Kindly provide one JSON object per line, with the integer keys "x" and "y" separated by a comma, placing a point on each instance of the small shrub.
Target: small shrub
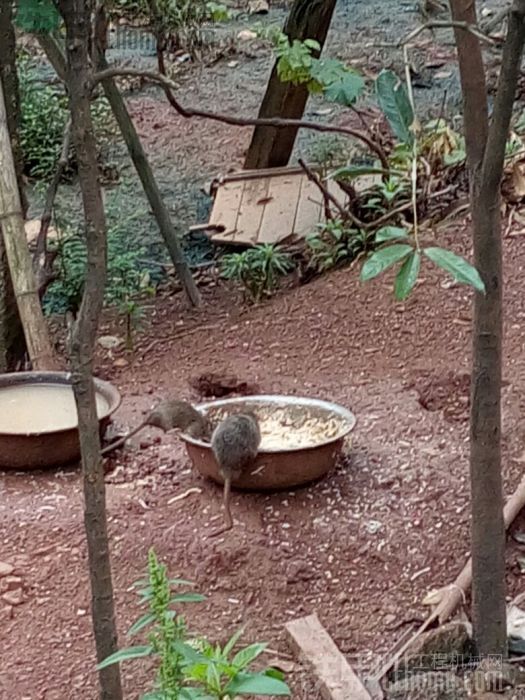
{"x": 335, "y": 244}
{"x": 191, "y": 668}
{"x": 126, "y": 276}
{"x": 258, "y": 269}
{"x": 44, "y": 114}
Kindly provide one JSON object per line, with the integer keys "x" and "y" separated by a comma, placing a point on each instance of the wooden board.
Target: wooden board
{"x": 268, "y": 206}
{"x": 279, "y": 213}
{"x": 336, "y": 679}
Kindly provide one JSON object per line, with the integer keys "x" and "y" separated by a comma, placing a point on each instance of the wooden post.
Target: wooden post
{"x": 36, "y": 334}
{"x": 271, "y": 147}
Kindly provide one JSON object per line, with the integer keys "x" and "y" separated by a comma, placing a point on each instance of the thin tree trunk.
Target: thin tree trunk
{"x": 12, "y": 343}
{"x": 486, "y": 151}
{"x": 270, "y": 147}
{"x": 76, "y": 14}
{"x": 140, "y": 161}
{"x": 36, "y": 333}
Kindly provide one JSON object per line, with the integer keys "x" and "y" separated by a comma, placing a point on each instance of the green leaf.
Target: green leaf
{"x": 393, "y": 100}
{"x": 407, "y": 276}
{"x": 139, "y": 625}
{"x": 461, "y": 270}
{"x": 346, "y": 90}
{"x": 37, "y": 16}
{"x": 187, "y": 598}
{"x": 312, "y": 44}
{"x": 244, "y": 657}
{"x": 228, "y": 648}
{"x": 125, "y": 655}
{"x": 256, "y": 684}
{"x": 390, "y": 233}
{"x": 382, "y": 259}
{"x": 189, "y": 654}
{"x": 351, "y": 172}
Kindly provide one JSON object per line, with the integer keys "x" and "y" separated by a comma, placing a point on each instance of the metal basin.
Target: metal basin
{"x": 280, "y": 467}
{"x": 36, "y": 450}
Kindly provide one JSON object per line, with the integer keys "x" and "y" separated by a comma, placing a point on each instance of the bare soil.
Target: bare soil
{"x": 361, "y": 547}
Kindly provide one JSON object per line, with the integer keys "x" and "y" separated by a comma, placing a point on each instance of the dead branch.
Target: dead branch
{"x": 42, "y": 259}
{"x": 188, "y": 113}
{"x": 495, "y": 21}
{"x": 328, "y": 197}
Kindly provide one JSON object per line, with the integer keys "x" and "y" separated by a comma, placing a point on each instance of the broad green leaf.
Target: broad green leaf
{"x": 346, "y": 90}
{"x": 407, "y": 276}
{"x": 382, "y": 259}
{"x": 125, "y": 655}
{"x": 187, "y": 598}
{"x": 312, "y": 44}
{"x": 144, "y": 621}
{"x": 155, "y": 695}
{"x": 390, "y": 233}
{"x": 189, "y": 654}
{"x": 327, "y": 70}
{"x": 244, "y": 657}
{"x": 351, "y": 172}
{"x": 256, "y": 684}
{"x": 393, "y": 100}
{"x": 461, "y": 270}
{"x": 37, "y": 16}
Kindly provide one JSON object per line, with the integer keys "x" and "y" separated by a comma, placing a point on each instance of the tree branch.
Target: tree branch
{"x": 276, "y": 122}
{"x": 45, "y": 222}
{"x": 494, "y": 158}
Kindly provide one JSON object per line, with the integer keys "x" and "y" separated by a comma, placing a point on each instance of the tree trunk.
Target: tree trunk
{"x": 9, "y": 79}
{"x": 139, "y": 158}
{"x": 76, "y": 14}
{"x": 486, "y": 151}
{"x": 12, "y": 343}
{"x": 149, "y": 184}
{"x": 36, "y": 333}
{"x": 271, "y": 147}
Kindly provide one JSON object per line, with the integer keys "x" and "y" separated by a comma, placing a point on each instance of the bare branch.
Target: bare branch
{"x": 165, "y": 82}
{"x": 45, "y": 222}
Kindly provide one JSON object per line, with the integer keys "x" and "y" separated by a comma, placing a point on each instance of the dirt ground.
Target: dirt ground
{"x": 361, "y": 547}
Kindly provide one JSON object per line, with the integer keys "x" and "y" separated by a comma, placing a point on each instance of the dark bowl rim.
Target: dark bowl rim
{"x": 106, "y": 389}
{"x": 276, "y": 399}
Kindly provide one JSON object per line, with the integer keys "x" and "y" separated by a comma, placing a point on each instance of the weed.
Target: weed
{"x": 335, "y": 244}
{"x": 191, "y": 668}
{"x": 258, "y": 269}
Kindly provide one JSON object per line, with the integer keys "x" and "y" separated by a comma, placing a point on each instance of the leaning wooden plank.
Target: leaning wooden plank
{"x": 279, "y": 213}
{"x": 337, "y": 680}
{"x": 226, "y": 208}
{"x": 254, "y": 199}
{"x": 309, "y": 210}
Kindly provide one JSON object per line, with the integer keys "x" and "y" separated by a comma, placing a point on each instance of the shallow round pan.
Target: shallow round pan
{"x": 52, "y": 448}
{"x": 276, "y": 468}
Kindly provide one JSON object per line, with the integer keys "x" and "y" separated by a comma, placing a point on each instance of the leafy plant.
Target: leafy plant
{"x": 258, "y": 269}
{"x": 44, "y": 115}
{"x": 191, "y": 669}
{"x": 298, "y": 64}
{"x": 126, "y": 277}
{"x": 388, "y": 255}
{"x": 336, "y": 243}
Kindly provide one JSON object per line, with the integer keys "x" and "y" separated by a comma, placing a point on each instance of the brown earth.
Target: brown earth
{"x": 360, "y": 548}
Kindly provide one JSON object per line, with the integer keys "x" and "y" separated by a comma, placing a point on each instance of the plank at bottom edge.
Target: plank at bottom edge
{"x": 337, "y": 680}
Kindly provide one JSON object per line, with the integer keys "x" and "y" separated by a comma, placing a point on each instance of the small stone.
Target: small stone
{"x": 109, "y": 342}
{"x": 81, "y": 612}
{"x": 258, "y": 7}
{"x": 6, "y": 569}
{"x": 246, "y": 35}
{"x": 120, "y": 362}
{"x": 450, "y": 641}
{"x": 10, "y": 583}
{"x": 6, "y": 613}
{"x": 15, "y": 597}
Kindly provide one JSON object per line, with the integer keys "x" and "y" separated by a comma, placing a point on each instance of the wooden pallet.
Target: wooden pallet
{"x": 267, "y": 206}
